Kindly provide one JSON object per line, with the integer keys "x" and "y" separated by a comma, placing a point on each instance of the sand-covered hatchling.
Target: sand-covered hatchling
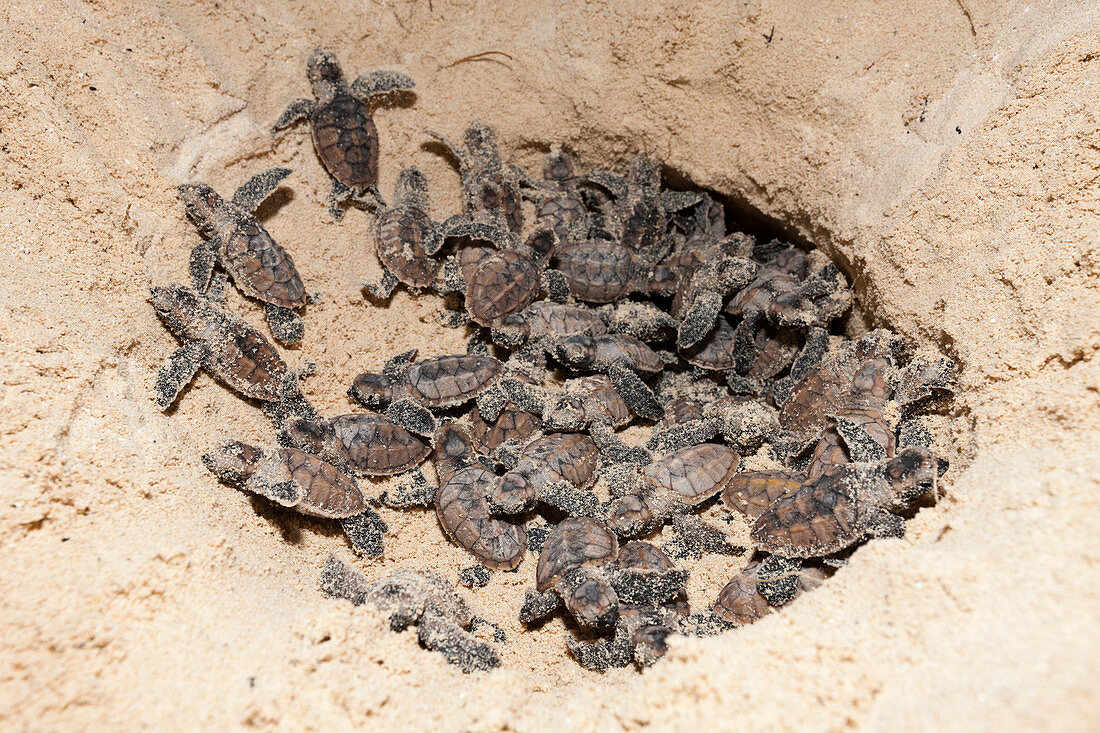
{"x": 227, "y": 347}
{"x": 303, "y": 482}
{"x": 578, "y": 568}
{"x": 463, "y": 511}
{"x": 367, "y": 444}
{"x": 236, "y": 240}
{"x": 553, "y": 469}
{"x": 407, "y": 239}
{"x": 443, "y": 619}
{"x": 409, "y": 390}
{"x": 343, "y": 130}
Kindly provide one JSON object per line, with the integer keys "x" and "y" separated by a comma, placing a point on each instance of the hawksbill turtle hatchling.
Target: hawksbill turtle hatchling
{"x": 258, "y": 265}
{"x": 343, "y": 130}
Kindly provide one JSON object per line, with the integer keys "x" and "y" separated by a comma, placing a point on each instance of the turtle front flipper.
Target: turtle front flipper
{"x": 177, "y": 372}
{"x": 201, "y": 266}
{"x": 384, "y": 287}
{"x": 286, "y": 325}
{"x": 256, "y": 189}
{"x": 284, "y": 493}
{"x": 364, "y": 531}
{"x": 411, "y": 416}
{"x": 538, "y": 605}
{"x": 413, "y": 490}
{"x": 296, "y": 111}
{"x": 458, "y": 646}
{"x": 381, "y": 82}
{"x": 636, "y": 393}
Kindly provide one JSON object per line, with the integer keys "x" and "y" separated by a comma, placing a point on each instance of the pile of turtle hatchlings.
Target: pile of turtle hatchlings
{"x": 616, "y": 303}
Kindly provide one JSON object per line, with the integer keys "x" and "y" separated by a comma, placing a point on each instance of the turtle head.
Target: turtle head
{"x": 372, "y": 390}
{"x": 559, "y": 165}
{"x": 628, "y": 516}
{"x": 577, "y": 352}
{"x": 412, "y": 186}
{"x": 233, "y": 462}
{"x": 481, "y": 141}
{"x": 310, "y": 436}
{"x": 590, "y": 599}
{"x": 325, "y": 74}
{"x": 911, "y": 473}
{"x": 204, "y": 206}
{"x": 176, "y": 306}
{"x": 644, "y": 174}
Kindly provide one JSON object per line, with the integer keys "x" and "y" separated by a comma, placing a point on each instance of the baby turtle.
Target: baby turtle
{"x": 304, "y": 482}
{"x": 343, "y": 131}
{"x": 842, "y": 508}
{"x": 597, "y": 271}
{"x": 578, "y": 567}
{"x": 236, "y": 240}
{"x": 752, "y": 492}
{"x": 677, "y": 482}
{"x": 443, "y": 619}
{"x": 549, "y": 470}
{"x": 544, "y": 319}
{"x": 504, "y": 283}
{"x": 409, "y": 390}
{"x": 463, "y": 512}
{"x": 407, "y": 238}
{"x": 641, "y": 631}
{"x": 561, "y": 206}
{"x": 223, "y": 343}
{"x": 489, "y": 186}
{"x": 367, "y": 443}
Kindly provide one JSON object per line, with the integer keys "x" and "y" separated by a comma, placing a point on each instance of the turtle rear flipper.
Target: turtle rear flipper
{"x": 413, "y": 490}
{"x": 177, "y": 372}
{"x": 296, "y": 111}
{"x": 256, "y": 189}
{"x": 201, "y": 265}
{"x": 365, "y": 531}
{"x": 538, "y": 605}
{"x": 286, "y": 325}
{"x": 458, "y": 646}
{"x": 380, "y": 82}
{"x": 572, "y": 501}
{"x": 699, "y": 320}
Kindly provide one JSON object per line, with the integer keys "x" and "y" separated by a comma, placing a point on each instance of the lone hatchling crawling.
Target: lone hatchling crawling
{"x": 343, "y": 130}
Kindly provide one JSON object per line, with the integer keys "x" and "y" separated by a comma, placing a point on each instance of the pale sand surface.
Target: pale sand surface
{"x": 946, "y": 152}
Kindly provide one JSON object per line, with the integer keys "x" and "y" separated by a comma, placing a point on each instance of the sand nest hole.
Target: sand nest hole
{"x": 662, "y": 423}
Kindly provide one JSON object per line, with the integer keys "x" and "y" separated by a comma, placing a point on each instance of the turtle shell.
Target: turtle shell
{"x": 776, "y": 349}
{"x": 347, "y": 141}
{"x": 574, "y": 543}
{"x": 260, "y": 267}
{"x": 740, "y": 602}
{"x": 375, "y": 446}
{"x": 243, "y": 359}
{"x": 695, "y": 473}
{"x": 464, "y": 515}
{"x": 715, "y": 351}
{"x": 569, "y": 455}
{"x": 511, "y": 424}
{"x": 614, "y": 347}
{"x": 597, "y": 271}
{"x": 545, "y": 318}
{"x": 563, "y": 212}
{"x": 402, "y": 232}
{"x": 504, "y": 283}
{"x": 450, "y": 380}
{"x": 326, "y": 491}
{"x": 752, "y": 492}
{"x": 606, "y": 396}
{"x": 820, "y": 518}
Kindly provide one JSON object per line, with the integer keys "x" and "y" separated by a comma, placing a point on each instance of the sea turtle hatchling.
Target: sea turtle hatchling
{"x": 839, "y": 509}
{"x": 443, "y": 619}
{"x": 407, "y": 238}
{"x": 577, "y": 567}
{"x": 490, "y": 187}
{"x": 463, "y": 512}
{"x": 343, "y": 131}
{"x": 641, "y": 631}
{"x": 230, "y": 350}
{"x": 552, "y": 469}
{"x": 675, "y": 483}
{"x": 236, "y": 240}
{"x": 303, "y": 482}
{"x": 409, "y": 390}
{"x": 368, "y": 444}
